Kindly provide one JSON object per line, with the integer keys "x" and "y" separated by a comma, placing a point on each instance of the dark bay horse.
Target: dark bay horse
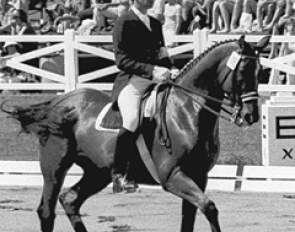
{"x": 67, "y": 135}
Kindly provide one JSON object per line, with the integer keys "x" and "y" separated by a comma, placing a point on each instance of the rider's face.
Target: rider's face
{"x": 144, "y": 4}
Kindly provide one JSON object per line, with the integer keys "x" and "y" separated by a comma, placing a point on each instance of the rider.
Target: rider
{"x": 142, "y": 59}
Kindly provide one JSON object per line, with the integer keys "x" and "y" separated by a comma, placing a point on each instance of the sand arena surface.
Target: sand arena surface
{"x": 151, "y": 210}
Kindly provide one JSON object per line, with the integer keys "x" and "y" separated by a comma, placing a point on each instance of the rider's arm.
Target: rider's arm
{"x": 122, "y": 47}
{"x": 132, "y": 56}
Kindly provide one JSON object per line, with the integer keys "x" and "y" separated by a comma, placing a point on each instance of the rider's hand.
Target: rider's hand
{"x": 174, "y": 73}
{"x": 161, "y": 73}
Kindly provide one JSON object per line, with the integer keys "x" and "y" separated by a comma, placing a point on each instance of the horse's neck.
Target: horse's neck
{"x": 200, "y": 76}
{"x": 207, "y": 74}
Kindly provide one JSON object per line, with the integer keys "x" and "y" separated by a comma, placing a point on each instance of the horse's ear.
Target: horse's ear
{"x": 261, "y": 44}
{"x": 241, "y": 41}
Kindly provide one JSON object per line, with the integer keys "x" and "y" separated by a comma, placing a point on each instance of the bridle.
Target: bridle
{"x": 235, "y": 109}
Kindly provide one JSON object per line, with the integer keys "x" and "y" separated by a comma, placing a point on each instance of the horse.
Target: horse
{"x": 182, "y": 135}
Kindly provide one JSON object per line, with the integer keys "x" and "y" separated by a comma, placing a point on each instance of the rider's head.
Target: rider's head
{"x": 143, "y": 5}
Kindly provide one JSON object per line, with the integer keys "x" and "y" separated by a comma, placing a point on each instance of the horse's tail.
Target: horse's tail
{"x": 43, "y": 118}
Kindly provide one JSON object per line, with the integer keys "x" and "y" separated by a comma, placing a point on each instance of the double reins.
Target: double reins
{"x": 235, "y": 112}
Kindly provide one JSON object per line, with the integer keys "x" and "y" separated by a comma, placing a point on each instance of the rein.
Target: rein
{"x": 236, "y": 109}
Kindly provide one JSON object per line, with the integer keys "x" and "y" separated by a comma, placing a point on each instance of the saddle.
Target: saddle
{"x": 113, "y": 118}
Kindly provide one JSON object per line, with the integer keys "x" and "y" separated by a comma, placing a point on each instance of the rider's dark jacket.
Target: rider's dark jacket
{"x": 136, "y": 49}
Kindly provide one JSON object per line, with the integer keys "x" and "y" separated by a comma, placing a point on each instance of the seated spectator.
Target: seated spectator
{"x": 102, "y": 11}
{"x": 289, "y": 47}
{"x": 286, "y": 48}
{"x": 68, "y": 19}
{"x": 271, "y": 10}
{"x": 280, "y": 27}
{"x": 64, "y": 22}
{"x": 247, "y": 16}
{"x": 55, "y": 10}
{"x": 85, "y": 4}
{"x": 187, "y": 14}
{"x": 222, "y": 9}
{"x": 157, "y": 11}
{"x": 236, "y": 15}
{"x": 172, "y": 20}
{"x": 289, "y": 11}
{"x": 207, "y": 7}
{"x": 87, "y": 27}
{"x": 19, "y": 25}
{"x": 196, "y": 14}
{"x": 200, "y": 18}
{"x": 10, "y": 48}
{"x": 6, "y": 10}
{"x": 216, "y": 15}
{"x": 21, "y": 5}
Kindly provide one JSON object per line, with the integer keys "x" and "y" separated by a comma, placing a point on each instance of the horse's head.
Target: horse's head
{"x": 241, "y": 81}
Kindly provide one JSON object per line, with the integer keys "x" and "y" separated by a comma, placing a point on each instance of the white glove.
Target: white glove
{"x": 174, "y": 73}
{"x": 161, "y": 74}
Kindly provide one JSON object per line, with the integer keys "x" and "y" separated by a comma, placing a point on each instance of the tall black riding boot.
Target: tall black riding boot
{"x": 125, "y": 147}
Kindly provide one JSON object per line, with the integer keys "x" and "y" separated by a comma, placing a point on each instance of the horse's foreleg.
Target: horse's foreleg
{"x": 183, "y": 186}
{"x": 73, "y": 198}
{"x": 188, "y": 216}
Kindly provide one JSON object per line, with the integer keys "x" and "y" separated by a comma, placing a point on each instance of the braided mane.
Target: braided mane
{"x": 197, "y": 59}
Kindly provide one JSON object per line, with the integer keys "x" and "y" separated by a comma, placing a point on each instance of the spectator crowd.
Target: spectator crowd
{"x": 177, "y": 16}
{"x": 92, "y": 17}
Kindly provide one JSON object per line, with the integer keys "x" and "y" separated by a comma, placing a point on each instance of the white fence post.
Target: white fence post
{"x": 200, "y": 41}
{"x": 197, "y": 43}
{"x": 70, "y": 61}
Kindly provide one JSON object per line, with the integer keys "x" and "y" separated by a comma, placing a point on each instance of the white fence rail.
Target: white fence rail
{"x": 70, "y": 45}
{"x": 222, "y": 177}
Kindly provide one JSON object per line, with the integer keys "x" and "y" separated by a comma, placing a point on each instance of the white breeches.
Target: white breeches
{"x": 129, "y": 101}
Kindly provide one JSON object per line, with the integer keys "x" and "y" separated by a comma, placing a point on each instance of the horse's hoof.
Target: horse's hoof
{"x": 130, "y": 187}
{"x": 118, "y": 183}
{"x": 117, "y": 189}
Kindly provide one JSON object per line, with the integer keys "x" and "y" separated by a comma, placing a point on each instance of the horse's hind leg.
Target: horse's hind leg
{"x": 54, "y": 165}
{"x": 47, "y": 205}
{"x": 73, "y": 198}
{"x": 183, "y": 186}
